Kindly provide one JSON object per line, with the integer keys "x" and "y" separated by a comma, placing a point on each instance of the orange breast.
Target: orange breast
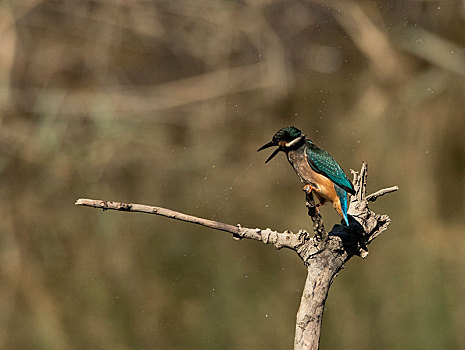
{"x": 323, "y": 186}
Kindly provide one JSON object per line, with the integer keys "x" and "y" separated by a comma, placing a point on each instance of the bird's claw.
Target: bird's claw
{"x": 308, "y": 188}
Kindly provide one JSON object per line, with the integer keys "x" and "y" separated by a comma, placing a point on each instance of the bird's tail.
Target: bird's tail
{"x": 342, "y": 195}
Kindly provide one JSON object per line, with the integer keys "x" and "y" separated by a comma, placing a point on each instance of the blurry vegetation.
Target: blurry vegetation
{"x": 165, "y": 103}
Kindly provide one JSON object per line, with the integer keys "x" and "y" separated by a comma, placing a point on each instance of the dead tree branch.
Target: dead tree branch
{"x": 374, "y": 196}
{"x": 285, "y": 239}
{"x": 324, "y": 254}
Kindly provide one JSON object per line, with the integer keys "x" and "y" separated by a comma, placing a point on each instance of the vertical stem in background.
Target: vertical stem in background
{"x": 310, "y": 314}
{"x": 7, "y": 52}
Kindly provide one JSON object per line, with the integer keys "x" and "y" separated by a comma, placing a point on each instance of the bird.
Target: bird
{"x": 316, "y": 168}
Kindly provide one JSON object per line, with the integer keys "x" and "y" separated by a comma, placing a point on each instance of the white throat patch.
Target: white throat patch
{"x": 293, "y": 142}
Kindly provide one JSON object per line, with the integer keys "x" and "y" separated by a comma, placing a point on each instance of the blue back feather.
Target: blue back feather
{"x": 322, "y": 162}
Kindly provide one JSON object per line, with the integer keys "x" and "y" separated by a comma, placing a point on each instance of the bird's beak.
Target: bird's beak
{"x": 268, "y": 145}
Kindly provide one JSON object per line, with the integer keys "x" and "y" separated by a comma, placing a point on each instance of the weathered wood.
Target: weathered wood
{"x": 324, "y": 254}
{"x": 341, "y": 244}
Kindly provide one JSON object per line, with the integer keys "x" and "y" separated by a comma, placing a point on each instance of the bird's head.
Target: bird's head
{"x": 285, "y": 139}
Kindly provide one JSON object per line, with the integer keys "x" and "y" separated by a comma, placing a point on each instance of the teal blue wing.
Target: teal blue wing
{"x": 342, "y": 194}
{"x": 322, "y": 162}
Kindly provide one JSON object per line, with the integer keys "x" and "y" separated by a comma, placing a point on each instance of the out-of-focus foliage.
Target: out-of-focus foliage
{"x": 165, "y": 103}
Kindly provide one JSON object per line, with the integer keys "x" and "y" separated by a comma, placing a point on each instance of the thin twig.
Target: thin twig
{"x": 374, "y": 196}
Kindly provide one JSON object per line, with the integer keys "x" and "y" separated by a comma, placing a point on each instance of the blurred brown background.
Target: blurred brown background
{"x": 165, "y": 103}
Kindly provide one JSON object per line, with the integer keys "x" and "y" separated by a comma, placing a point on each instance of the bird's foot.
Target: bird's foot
{"x": 319, "y": 205}
{"x": 308, "y": 188}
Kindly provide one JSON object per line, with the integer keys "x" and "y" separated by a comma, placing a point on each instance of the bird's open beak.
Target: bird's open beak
{"x": 268, "y": 145}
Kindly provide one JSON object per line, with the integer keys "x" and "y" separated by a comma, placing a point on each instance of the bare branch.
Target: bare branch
{"x": 285, "y": 239}
{"x": 374, "y": 196}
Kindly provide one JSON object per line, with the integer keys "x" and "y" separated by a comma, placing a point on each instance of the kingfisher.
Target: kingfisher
{"x": 315, "y": 167}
